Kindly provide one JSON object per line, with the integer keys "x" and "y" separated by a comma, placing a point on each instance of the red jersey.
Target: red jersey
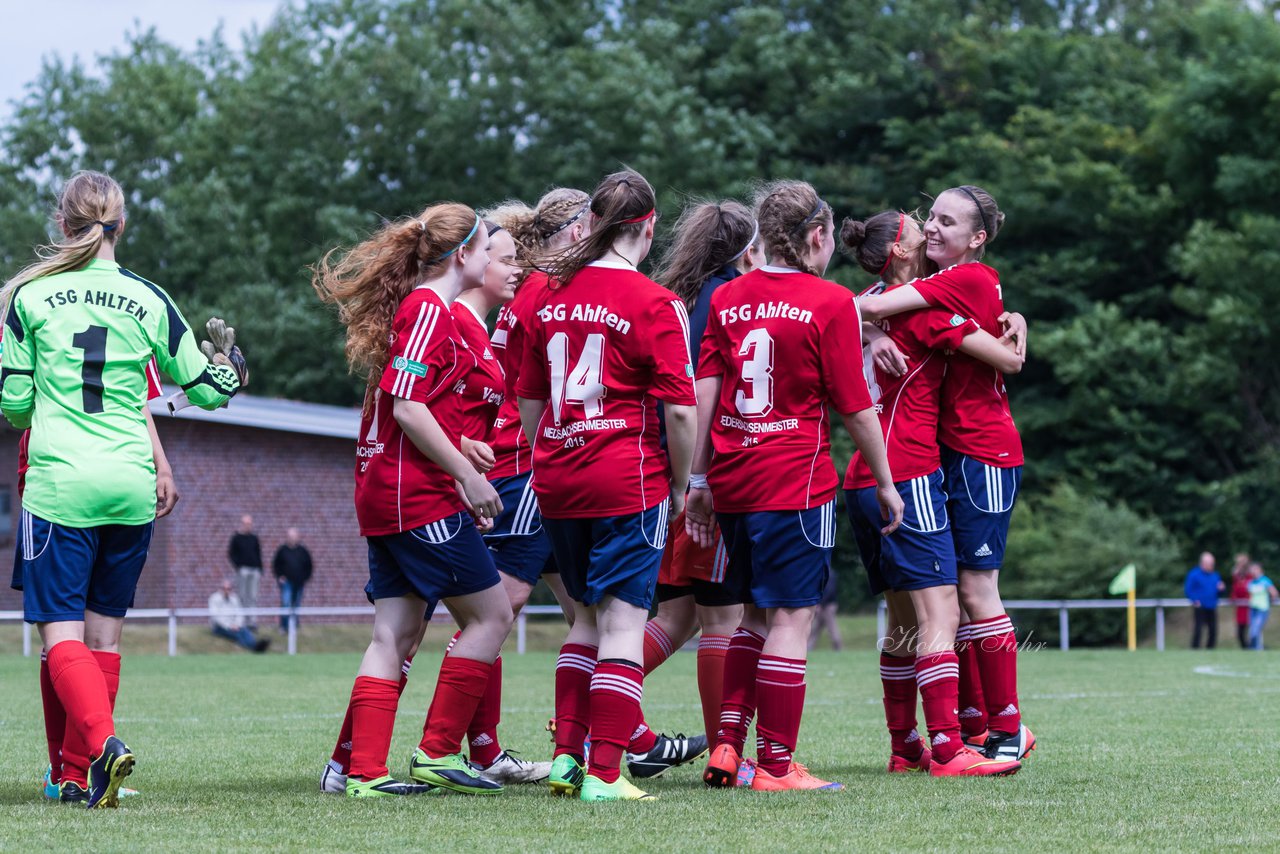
{"x": 976, "y": 419}
{"x": 153, "y": 391}
{"x": 510, "y": 445}
{"x": 397, "y": 487}
{"x": 603, "y": 349}
{"x": 788, "y": 345}
{"x": 484, "y": 393}
{"x": 908, "y": 405}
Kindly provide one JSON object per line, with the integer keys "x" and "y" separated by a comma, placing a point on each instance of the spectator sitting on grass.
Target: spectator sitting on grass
{"x": 225, "y": 620}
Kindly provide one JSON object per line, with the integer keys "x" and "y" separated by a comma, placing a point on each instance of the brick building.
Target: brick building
{"x": 287, "y": 464}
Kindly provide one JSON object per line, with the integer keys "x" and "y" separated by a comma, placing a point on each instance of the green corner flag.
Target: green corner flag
{"x": 1125, "y": 581}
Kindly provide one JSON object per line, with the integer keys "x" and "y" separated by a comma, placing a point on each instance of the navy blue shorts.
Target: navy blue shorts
{"x": 63, "y": 571}
{"x": 611, "y": 556}
{"x": 920, "y": 553}
{"x": 981, "y": 506}
{"x": 439, "y": 560}
{"x": 779, "y": 558}
{"x": 518, "y": 542}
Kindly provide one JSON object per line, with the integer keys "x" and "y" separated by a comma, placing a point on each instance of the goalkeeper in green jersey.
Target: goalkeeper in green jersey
{"x": 79, "y": 332}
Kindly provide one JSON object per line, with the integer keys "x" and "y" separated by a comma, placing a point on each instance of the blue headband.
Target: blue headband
{"x": 465, "y": 240}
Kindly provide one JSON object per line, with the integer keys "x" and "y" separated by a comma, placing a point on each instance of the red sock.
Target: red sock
{"x": 341, "y": 758}
{"x": 997, "y": 651}
{"x": 459, "y": 688}
{"x": 81, "y": 687}
{"x": 574, "y": 667}
{"x": 109, "y": 663}
{"x": 482, "y": 734}
{"x": 657, "y": 646}
{"x": 898, "y": 676}
{"x": 711, "y": 652}
{"x": 642, "y": 738}
{"x": 739, "y": 703}
{"x": 75, "y": 750}
{"x": 55, "y": 720}
{"x": 780, "y": 699}
{"x": 973, "y": 708}
{"x": 373, "y": 718}
{"x": 616, "y": 689}
{"x": 938, "y": 678}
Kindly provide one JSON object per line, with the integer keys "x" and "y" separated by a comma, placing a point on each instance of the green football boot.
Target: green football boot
{"x": 384, "y": 787}
{"x": 451, "y": 772}
{"x": 621, "y": 789}
{"x": 566, "y": 775}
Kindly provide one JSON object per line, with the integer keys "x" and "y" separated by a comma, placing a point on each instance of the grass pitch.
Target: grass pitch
{"x": 1138, "y": 751}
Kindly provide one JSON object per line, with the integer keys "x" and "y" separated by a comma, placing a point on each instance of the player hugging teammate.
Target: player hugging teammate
{"x": 591, "y": 491}
{"x": 972, "y": 494}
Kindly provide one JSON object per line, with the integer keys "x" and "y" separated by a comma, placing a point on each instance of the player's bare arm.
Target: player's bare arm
{"x": 682, "y": 432}
{"x": 416, "y": 420}
{"x": 884, "y": 353}
{"x": 530, "y": 414}
{"x": 166, "y": 489}
{"x": 478, "y": 454}
{"x": 1000, "y": 353}
{"x": 1015, "y": 329}
{"x": 896, "y": 301}
{"x": 699, "y": 512}
{"x": 864, "y": 427}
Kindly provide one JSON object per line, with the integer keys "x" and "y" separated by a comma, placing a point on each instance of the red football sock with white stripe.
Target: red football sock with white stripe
{"x": 739, "y": 703}
{"x": 657, "y": 649}
{"x": 78, "y": 681}
{"x": 997, "y": 650}
{"x": 711, "y": 655}
{"x": 658, "y": 646}
{"x": 780, "y": 701}
{"x": 973, "y": 707}
{"x": 55, "y": 720}
{"x": 642, "y": 737}
{"x": 373, "y": 718}
{"x": 482, "y": 734}
{"x": 340, "y": 761}
{"x": 574, "y": 668}
{"x": 459, "y": 687}
{"x": 616, "y": 690}
{"x": 898, "y": 676}
{"x": 938, "y": 679}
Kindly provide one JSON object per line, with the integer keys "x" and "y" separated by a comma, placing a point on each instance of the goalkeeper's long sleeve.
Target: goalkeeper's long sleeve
{"x": 206, "y": 385}
{"x": 17, "y": 370}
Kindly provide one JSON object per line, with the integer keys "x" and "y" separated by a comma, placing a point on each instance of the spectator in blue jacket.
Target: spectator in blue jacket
{"x": 1202, "y": 587}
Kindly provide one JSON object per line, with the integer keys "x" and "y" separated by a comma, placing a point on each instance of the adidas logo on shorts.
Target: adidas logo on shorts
{"x": 985, "y": 551}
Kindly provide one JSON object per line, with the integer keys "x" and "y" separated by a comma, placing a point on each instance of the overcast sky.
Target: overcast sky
{"x": 33, "y": 29}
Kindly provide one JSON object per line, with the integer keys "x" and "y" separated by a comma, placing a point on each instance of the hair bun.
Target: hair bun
{"x": 852, "y": 233}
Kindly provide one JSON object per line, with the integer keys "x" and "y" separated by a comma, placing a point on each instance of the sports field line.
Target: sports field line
{"x": 1221, "y": 670}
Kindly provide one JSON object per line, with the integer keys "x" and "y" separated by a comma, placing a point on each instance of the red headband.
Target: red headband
{"x": 637, "y": 218}
{"x": 902, "y": 221}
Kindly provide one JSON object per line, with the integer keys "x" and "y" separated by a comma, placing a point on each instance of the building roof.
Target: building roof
{"x": 269, "y": 413}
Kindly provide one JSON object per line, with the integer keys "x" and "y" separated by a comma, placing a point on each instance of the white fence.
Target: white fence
{"x": 1062, "y": 606}
{"x": 172, "y": 615}
{"x": 1065, "y": 606}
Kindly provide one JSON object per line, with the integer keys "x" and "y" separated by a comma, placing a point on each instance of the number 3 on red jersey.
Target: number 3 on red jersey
{"x": 756, "y": 401}
{"x": 584, "y": 385}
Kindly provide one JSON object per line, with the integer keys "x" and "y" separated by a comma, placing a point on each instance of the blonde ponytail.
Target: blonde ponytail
{"x": 91, "y": 210}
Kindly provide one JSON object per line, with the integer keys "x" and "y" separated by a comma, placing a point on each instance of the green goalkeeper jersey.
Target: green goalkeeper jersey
{"x": 76, "y": 347}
